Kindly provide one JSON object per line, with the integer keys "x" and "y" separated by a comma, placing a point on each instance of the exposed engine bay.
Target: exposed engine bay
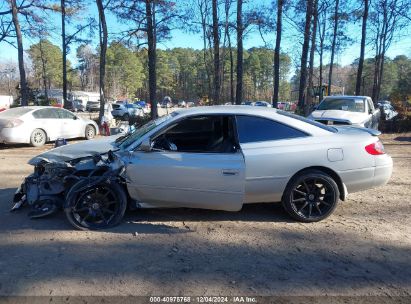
{"x": 91, "y": 190}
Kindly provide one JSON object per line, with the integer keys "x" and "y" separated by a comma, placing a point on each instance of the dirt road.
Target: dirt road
{"x": 363, "y": 249}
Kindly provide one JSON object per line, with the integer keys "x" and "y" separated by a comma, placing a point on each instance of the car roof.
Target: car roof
{"x": 346, "y": 96}
{"x": 229, "y": 109}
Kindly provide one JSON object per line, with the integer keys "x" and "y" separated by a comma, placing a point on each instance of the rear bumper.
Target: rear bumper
{"x": 366, "y": 178}
{"x": 14, "y": 135}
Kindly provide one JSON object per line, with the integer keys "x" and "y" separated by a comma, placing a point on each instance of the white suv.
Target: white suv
{"x": 126, "y": 110}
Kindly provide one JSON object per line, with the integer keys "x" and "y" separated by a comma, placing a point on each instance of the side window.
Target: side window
{"x": 201, "y": 134}
{"x": 65, "y": 114}
{"x": 45, "y": 114}
{"x": 257, "y": 129}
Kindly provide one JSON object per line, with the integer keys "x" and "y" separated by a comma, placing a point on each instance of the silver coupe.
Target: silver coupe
{"x": 219, "y": 157}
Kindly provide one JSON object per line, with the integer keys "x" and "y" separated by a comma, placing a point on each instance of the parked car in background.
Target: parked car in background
{"x": 181, "y": 104}
{"x": 126, "y": 110}
{"x": 262, "y": 104}
{"x": 247, "y": 103}
{"x": 190, "y": 104}
{"x": 93, "y": 106}
{"x": 78, "y": 105}
{"x": 388, "y": 110}
{"x": 5, "y": 102}
{"x": 347, "y": 110}
{"x": 37, "y": 125}
{"x": 144, "y": 105}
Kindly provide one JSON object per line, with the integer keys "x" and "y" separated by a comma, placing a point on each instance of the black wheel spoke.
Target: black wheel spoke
{"x": 105, "y": 210}
{"x": 324, "y": 202}
{"x": 318, "y": 208}
{"x": 301, "y": 209}
{"x": 101, "y": 214}
{"x": 310, "y": 210}
{"x": 109, "y": 203}
{"x": 300, "y": 192}
{"x": 299, "y": 200}
{"x": 85, "y": 218}
{"x": 81, "y": 209}
{"x": 306, "y": 186}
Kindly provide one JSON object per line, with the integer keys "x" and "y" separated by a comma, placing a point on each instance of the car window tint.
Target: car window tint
{"x": 256, "y": 129}
{"x": 46, "y": 114}
{"x": 65, "y": 114}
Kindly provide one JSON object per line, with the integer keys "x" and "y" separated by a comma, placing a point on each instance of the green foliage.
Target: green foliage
{"x": 124, "y": 71}
{"x": 47, "y": 54}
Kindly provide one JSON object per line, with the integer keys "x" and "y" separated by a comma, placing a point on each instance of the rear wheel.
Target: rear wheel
{"x": 311, "y": 196}
{"x": 90, "y": 132}
{"x": 38, "y": 138}
{"x": 98, "y": 207}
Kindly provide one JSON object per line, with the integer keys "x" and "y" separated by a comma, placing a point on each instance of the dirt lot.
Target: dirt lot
{"x": 363, "y": 249}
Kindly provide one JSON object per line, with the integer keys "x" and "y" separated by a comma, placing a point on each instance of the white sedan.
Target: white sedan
{"x": 36, "y": 125}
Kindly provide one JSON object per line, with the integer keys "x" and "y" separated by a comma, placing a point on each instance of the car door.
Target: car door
{"x": 373, "y": 115}
{"x": 48, "y": 120}
{"x": 189, "y": 174}
{"x": 72, "y": 126}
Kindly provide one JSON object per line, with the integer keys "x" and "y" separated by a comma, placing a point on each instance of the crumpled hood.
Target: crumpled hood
{"x": 352, "y": 117}
{"x": 78, "y": 150}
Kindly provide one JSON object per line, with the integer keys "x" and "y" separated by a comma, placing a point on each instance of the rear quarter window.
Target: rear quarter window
{"x": 258, "y": 129}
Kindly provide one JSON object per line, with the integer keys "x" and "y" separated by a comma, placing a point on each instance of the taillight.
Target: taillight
{"x": 376, "y": 148}
{"x": 13, "y": 123}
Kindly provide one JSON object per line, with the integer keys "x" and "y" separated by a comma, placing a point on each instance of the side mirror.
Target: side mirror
{"x": 75, "y": 117}
{"x": 146, "y": 145}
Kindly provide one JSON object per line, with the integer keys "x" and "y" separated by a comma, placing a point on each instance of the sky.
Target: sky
{"x": 181, "y": 38}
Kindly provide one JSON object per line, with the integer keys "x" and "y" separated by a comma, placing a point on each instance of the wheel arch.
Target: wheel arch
{"x": 334, "y": 175}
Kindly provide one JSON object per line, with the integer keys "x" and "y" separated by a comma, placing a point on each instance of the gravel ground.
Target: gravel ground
{"x": 362, "y": 249}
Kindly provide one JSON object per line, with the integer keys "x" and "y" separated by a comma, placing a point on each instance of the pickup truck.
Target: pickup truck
{"x": 347, "y": 110}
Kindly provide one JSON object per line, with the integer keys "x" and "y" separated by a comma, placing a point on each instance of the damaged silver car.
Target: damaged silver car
{"x": 211, "y": 158}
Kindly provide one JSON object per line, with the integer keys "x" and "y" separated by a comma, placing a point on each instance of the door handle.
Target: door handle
{"x": 229, "y": 172}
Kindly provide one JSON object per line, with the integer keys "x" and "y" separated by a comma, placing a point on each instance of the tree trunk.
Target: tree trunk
{"x": 231, "y": 71}
{"x": 43, "y": 65}
{"x": 308, "y": 104}
{"x": 216, "y": 44}
{"x": 277, "y": 53}
{"x": 239, "y": 87}
{"x": 363, "y": 37}
{"x": 103, "y": 51}
{"x": 23, "y": 82}
{"x": 330, "y": 74}
{"x": 304, "y": 56}
{"x": 64, "y": 46}
{"x": 152, "y": 58}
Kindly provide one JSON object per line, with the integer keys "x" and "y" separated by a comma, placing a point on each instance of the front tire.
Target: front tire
{"x": 90, "y": 132}
{"x": 38, "y": 138}
{"x": 311, "y": 196}
{"x": 98, "y": 207}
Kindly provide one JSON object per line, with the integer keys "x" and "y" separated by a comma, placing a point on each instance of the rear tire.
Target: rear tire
{"x": 90, "y": 132}
{"x": 38, "y": 138}
{"x": 311, "y": 196}
{"x": 98, "y": 207}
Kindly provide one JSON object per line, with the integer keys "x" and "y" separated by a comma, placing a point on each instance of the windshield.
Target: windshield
{"x": 129, "y": 138}
{"x": 343, "y": 104}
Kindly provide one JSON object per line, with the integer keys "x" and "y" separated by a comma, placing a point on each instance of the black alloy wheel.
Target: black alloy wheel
{"x": 311, "y": 196}
{"x": 98, "y": 207}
